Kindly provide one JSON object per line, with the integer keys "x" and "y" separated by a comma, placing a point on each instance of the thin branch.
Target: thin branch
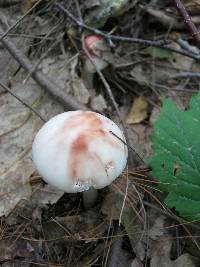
{"x": 168, "y": 88}
{"x": 109, "y": 37}
{"x": 22, "y": 101}
{"x": 161, "y": 43}
{"x": 116, "y": 248}
{"x": 182, "y": 52}
{"x": 185, "y": 74}
{"x": 187, "y": 20}
{"x": 128, "y": 146}
{"x": 47, "y": 84}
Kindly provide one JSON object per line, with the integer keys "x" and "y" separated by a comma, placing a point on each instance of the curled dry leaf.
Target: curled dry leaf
{"x": 138, "y": 111}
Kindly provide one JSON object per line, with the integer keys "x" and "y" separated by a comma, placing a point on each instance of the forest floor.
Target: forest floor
{"x": 42, "y": 62}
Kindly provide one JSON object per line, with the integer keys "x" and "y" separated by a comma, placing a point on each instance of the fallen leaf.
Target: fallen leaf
{"x": 130, "y": 218}
{"x": 138, "y": 111}
{"x": 98, "y": 103}
{"x": 16, "y": 136}
{"x": 161, "y": 255}
{"x": 139, "y": 75}
{"x": 179, "y": 61}
{"x": 67, "y": 77}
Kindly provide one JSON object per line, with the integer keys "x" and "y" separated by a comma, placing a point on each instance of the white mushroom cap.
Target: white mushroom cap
{"x": 75, "y": 150}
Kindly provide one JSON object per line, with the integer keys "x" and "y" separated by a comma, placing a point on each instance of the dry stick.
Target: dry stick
{"x": 110, "y": 36}
{"x": 161, "y": 43}
{"x": 184, "y": 74}
{"x": 50, "y": 86}
{"x": 116, "y": 248}
{"x": 22, "y": 101}
{"x": 187, "y": 20}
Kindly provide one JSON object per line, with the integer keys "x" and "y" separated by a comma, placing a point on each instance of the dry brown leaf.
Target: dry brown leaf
{"x": 179, "y": 61}
{"x": 139, "y": 75}
{"x": 98, "y": 103}
{"x": 63, "y": 72}
{"x": 130, "y": 219}
{"x": 18, "y": 128}
{"x": 161, "y": 255}
{"x": 161, "y": 244}
{"x": 138, "y": 111}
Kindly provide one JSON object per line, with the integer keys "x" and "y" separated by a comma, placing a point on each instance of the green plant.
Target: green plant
{"x": 176, "y": 157}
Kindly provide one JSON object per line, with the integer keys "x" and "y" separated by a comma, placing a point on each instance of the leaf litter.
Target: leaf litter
{"x": 44, "y": 226}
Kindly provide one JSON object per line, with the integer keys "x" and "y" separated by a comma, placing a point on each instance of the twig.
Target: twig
{"x": 128, "y": 146}
{"x": 22, "y": 101}
{"x": 116, "y": 249}
{"x": 185, "y": 74}
{"x": 164, "y": 87}
{"x": 161, "y": 43}
{"x": 187, "y": 20}
{"x": 188, "y": 47}
{"x": 109, "y": 37}
{"x": 50, "y": 86}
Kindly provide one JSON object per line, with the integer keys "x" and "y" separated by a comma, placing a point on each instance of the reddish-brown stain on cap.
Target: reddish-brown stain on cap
{"x": 80, "y": 155}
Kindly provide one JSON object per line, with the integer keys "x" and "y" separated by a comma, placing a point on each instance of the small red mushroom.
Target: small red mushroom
{"x": 97, "y": 52}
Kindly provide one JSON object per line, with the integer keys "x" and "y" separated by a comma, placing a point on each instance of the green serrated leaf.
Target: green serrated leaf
{"x": 176, "y": 159}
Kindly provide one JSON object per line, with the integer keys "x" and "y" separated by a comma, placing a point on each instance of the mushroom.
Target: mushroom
{"x": 97, "y": 57}
{"x": 76, "y": 151}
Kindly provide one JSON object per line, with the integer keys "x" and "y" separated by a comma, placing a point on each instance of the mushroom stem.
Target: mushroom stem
{"x": 90, "y": 197}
